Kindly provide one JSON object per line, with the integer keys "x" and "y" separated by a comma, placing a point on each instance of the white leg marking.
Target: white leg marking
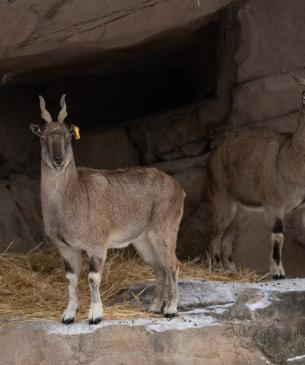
{"x": 278, "y": 237}
{"x": 72, "y": 307}
{"x": 96, "y": 308}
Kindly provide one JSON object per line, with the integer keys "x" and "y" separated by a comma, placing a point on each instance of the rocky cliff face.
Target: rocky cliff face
{"x": 151, "y": 83}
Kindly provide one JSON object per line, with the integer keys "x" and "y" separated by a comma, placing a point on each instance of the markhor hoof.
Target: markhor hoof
{"x": 67, "y": 321}
{"x": 95, "y": 321}
{"x": 170, "y": 315}
{"x": 278, "y": 277}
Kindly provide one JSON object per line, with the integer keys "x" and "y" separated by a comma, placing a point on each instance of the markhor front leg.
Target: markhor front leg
{"x": 96, "y": 265}
{"x": 72, "y": 308}
{"x": 72, "y": 262}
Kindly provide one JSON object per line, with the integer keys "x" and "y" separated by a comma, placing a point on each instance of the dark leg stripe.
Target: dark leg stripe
{"x": 276, "y": 253}
{"x": 278, "y": 226}
{"x": 94, "y": 264}
{"x": 68, "y": 267}
{"x": 62, "y": 239}
{"x": 217, "y": 258}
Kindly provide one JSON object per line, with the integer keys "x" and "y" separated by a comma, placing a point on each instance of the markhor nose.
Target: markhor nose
{"x": 58, "y": 160}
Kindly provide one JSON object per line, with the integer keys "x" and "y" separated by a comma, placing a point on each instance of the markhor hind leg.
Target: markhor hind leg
{"x": 230, "y": 235}
{"x": 277, "y": 241}
{"x": 170, "y": 310}
{"x": 216, "y": 251}
{"x": 226, "y": 248}
{"x": 223, "y": 212}
{"x": 157, "y": 304}
{"x": 165, "y": 246}
{"x": 148, "y": 254}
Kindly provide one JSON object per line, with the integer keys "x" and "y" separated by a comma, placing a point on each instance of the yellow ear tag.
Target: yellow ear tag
{"x": 76, "y": 133}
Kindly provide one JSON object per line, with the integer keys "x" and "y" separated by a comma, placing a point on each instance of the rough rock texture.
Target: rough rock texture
{"x": 154, "y": 82}
{"x": 112, "y": 150}
{"x": 179, "y": 134}
{"x": 20, "y": 217}
{"x": 219, "y": 323}
{"x": 272, "y": 38}
{"x": 277, "y": 95}
{"x": 130, "y": 343}
{"x": 64, "y": 31}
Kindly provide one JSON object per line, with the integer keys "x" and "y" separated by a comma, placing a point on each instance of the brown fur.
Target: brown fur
{"x": 257, "y": 173}
{"x": 93, "y": 210}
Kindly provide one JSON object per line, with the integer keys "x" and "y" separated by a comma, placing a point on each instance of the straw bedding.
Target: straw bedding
{"x": 33, "y": 285}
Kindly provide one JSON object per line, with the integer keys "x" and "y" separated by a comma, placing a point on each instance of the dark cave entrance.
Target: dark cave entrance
{"x": 119, "y": 86}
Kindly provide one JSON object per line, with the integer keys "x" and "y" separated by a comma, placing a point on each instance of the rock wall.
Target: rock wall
{"x": 150, "y": 83}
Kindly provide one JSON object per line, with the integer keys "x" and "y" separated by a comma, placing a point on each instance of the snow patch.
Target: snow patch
{"x": 285, "y": 285}
{"x": 261, "y": 303}
{"x": 184, "y": 321}
{"x": 296, "y": 358}
{"x": 180, "y": 324}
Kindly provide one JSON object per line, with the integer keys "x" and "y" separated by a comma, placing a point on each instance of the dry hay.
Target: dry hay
{"x": 33, "y": 285}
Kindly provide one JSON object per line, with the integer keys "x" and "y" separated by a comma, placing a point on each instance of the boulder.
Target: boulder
{"x": 174, "y": 166}
{"x": 264, "y": 99}
{"x": 25, "y": 192}
{"x": 108, "y": 150}
{"x": 14, "y": 231}
{"x": 268, "y": 128}
{"x": 214, "y": 111}
{"x": 19, "y": 149}
{"x": 181, "y": 133}
{"x": 272, "y": 35}
{"x": 195, "y": 233}
{"x": 163, "y": 137}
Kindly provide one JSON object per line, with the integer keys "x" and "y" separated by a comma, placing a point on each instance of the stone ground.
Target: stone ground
{"x": 218, "y": 323}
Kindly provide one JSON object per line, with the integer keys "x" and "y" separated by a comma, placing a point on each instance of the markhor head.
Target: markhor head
{"x": 55, "y": 137}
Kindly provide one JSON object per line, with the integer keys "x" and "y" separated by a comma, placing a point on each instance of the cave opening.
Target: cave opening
{"x": 119, "y": 86}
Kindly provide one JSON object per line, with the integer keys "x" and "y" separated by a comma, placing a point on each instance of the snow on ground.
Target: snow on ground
{"x": 296, "y": 358}
{"x": 155, "y": 325}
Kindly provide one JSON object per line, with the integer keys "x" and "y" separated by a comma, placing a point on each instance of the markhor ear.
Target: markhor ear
{"x": 35, "y": 128}
{"x": 71, "y": 129}
{"x": 303, "y": 97}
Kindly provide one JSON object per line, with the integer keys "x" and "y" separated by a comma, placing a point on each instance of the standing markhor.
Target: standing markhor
{"x": 93, "y": 210}
{"x": 264, "y": 174}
